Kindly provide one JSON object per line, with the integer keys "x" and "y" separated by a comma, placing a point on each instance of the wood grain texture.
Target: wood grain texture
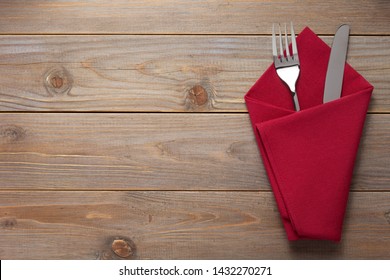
{"x": 153, "y": 155}
{"x": 195, "y": 17}
{"x": 154, "y": 73}
{"x": 60, "y": 151}
{"x": 178, "y": 225}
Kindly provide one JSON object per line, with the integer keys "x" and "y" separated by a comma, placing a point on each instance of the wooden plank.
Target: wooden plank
{"x": 197, "y": 17}
{"x": 154, "y": 73}
{"x": 154, "y": 151}
{"x": 178, "y": 225}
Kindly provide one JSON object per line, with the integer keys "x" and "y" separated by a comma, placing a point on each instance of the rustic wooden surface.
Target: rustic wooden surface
{"x": 153, "y": 73}
{"x": 83, "y": 151}
{"x": 177, "y": 225}
{"x": 124, "y": 133}
{"x": 183, "y": 17}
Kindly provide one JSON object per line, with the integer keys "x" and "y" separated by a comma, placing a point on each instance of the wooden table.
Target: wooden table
{"x": 124, "y": 133}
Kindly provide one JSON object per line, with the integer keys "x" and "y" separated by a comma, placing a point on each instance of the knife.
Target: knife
{"x": 335, "y": 72}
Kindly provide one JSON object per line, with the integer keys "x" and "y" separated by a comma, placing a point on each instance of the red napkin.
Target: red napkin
{"x": 309, "y": 155}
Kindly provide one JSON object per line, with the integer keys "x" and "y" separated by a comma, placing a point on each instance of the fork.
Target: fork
{"x": 287, "y": 66}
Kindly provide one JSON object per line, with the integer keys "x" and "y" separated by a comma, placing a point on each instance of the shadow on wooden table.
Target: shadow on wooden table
{"x": 315, "y": 249}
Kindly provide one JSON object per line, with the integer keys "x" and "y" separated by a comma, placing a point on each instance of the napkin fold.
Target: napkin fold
{"x": 309, "y": 155}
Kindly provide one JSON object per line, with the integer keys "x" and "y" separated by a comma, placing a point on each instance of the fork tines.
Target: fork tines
{"x": 287, "y": 65}
{"x": 287, "y": 58}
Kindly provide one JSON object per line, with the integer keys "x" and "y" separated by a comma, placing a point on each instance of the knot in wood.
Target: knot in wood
{"x": 387, "y": 216}
{"x": 58, "y": 81}
{"x": 9, "y": 223}
{"x": 122, "y": 248}
{"x": 198, "y": 95}
{"x": 11, "y": 133}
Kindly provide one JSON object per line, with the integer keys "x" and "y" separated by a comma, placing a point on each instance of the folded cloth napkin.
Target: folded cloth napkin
{"x": 309, "y": 155}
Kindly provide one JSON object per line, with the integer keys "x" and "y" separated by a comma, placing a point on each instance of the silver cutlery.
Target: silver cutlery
{"x": 287, "y": 66}
{"x": 335, "y": 72}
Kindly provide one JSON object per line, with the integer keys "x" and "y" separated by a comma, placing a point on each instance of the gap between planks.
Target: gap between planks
{"x": 148, "y": 112}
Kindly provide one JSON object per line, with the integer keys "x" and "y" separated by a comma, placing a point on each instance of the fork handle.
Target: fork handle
{"x": 296, "y": 102}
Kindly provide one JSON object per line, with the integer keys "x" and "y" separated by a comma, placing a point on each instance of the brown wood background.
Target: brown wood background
{"x": 124, "y": 133}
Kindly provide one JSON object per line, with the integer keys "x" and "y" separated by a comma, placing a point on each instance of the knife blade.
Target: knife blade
{"x": 336, "y": 64}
